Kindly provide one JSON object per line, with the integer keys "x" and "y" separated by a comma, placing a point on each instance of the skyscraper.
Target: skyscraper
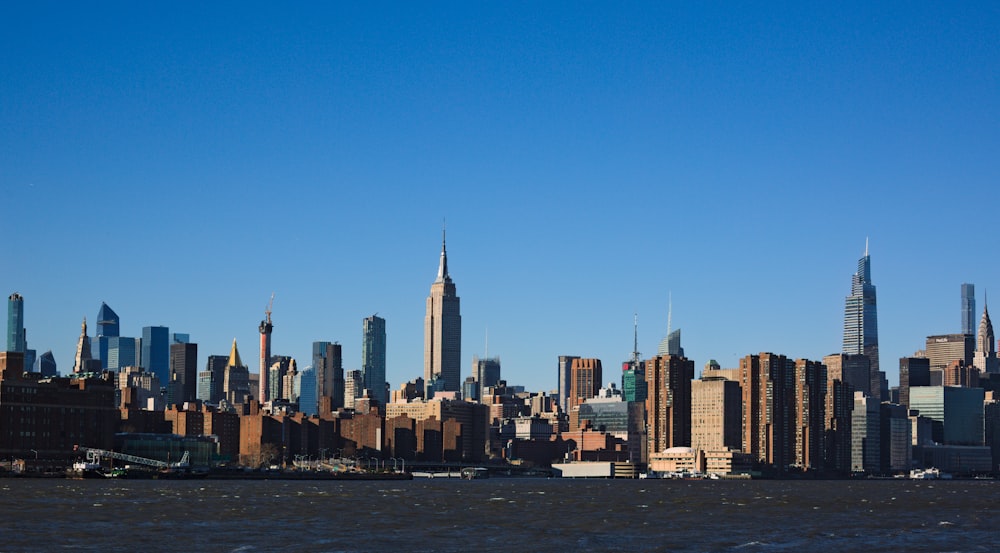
{"x": 668, "y": 402}
{"x": 16, "y": 337}
{"x": 968, "y": 309}
{"x": 107, "y": 328}
{"x": 585, "y": 381}
{"x": 861, "y": 320}
{"x": 671, "y": 343}
{"x": 265, "y": 352}
{"x": 487, "y": 372}
{"x": 236, "y": 378}
{"x": 156, "y": 352}
{"x": 565, "y": 381}
{"x": 80, "y": 361}
{"x": 443, "y": 330}
{"x": 327, "y": 361}
{"x": 184, "y": 372}
{"x": 985, "y": 356}
{"x": 373, "y": 358}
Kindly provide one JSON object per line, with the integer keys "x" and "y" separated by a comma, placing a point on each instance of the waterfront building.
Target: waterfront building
{"x": 668, "y": 403}
{"x": 764, "y": 383}
{"x": 957, "y": 414}
{"x": 609, "y": 413}
{"x": 373, "y": 358}
{"x": 184, "y": 371}
{"x": 716, "y": 414}
{"x": 565, "y": 381}
{"x": 585, "y": 381}
{"x": 968, "y": 308}
{"x": 896, "y": 447}
{"x": 443, "y": 330}
{"x": 866, "y": 455}
{"x": 156, "y": 351}
{"x": 808, "y": 412}
{"x": 861, "y": 321}
{"x": 469, "y": 430}
{"x": 328, "y": 363}
{"x": 486, "y": 371}
{"x": 913, "y": 371}
{"x": 985, "y": 356}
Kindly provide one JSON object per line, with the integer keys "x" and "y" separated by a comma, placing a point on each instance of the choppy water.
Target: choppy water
{"x": 499, "y": 514}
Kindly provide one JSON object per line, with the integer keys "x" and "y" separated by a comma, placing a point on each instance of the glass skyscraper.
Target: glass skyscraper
{"x": 16, "y": 340}
{"x": 156, "y": 351}
{"x": 861, "y": 320}
{"x": 968, "y": 309}
{"x": 373, "y": 358}
{"x": 108, "y": 325}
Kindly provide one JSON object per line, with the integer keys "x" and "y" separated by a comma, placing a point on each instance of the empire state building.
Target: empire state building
{"x": 443, "y": 332}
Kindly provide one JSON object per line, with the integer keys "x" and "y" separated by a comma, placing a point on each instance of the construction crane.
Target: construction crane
{"x": 95, "y": 455}
{"x": 267, "y": 312}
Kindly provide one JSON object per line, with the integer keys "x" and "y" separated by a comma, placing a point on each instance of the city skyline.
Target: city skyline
{"x": 164, "y": 163}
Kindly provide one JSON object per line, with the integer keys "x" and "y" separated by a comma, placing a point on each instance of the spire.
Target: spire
{"x": 234, "y": 356}
{"x": 635, "y": 337}
{"x": 670, "y": 310}
{"x": 866, "y": 246}
{"x": 443, "y": 266}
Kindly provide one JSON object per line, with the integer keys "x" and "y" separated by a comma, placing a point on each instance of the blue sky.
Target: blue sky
{"x": 181, "y": 162}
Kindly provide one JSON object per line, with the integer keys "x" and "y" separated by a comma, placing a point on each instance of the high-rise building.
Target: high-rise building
{"x": 328, "y": 363}
{"x": 668, "y": 402}
{"x": 486, "y": 371}
{"x": 945, "y": 348}
{"x": 307, "y": 390}
{"x": 156, "y": 351}
{"x": 108, "y": 326}
{"x": 968, "y": 309}
{"x": 716, "y": 415}
{"x": 373, "y": 358}
{"x": 124, "y": 352}
{"x": 861, "y": 321}
{"x": 565, "y": 381}
{"x": 265, "y": 329}
{"x": 809, "y": 414}
{"x": 765, "y": 381}
{"x": 16, "y": 335}
{"x": 671, "y": 343}
{"x": 45, "y": 364}
{"x": 585, "y": 381}
{"x": 82, "y": 360}
{"x": 985, "y": 356}
{"x": 913, "y": 371}
{"x": 957, "y": 414}
{"x": 354, "y": 387}
{"x": 443, "y": 330}
{"x": 866, "y": 452}
{"x": 236, "y": 378}
{"x": 183, "y": 372}
{"x": 280, "y": 366}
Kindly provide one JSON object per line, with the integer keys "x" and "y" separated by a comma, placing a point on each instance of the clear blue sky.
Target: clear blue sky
{"x": 181, "y": 162}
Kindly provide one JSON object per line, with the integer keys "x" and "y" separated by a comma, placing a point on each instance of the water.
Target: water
{"x": 498, "y": 514}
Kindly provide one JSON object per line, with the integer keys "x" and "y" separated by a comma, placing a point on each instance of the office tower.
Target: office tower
{"x": 985, "y": 356}
{"x": 957, "y": 414}
{"x": 124, "y": 352}
{"x": 634, "y": 387}
{"x": 945, "y": 348}
{"x": 180, "y": 338}
{"x": 585, "y": 381}
{"x": 866, "y": 454}
{"x": 968, "y": 308}
{"x": 156, "y": 351}
{"x": 280, "y": 366}
{"x": 80, "y": 364}
{"x": 16, "y": 335}
{"x": 45, "y": 364}
{"x": 913, "y": 371}
{"x": 671, "y": 343}
{"x": 354, "y": 387}
{"x": 307, "y": 390}
{"x": 668, "y": 402}
{"x": 716, "y": 414}
{"x": 327, "y": 361}
{"x": 236, "y": 378}
{"x": 487, "y": 373}
{"x": 809, "y": 414}
{"x": 443, "y": 330}
{"x": 565, "y": 381}
{"x": 470, "y": 390}
{"x": 765, "y": 381}
{"x": 215, "y": 368}
{"x": 896, "y": 447}
{"x": 373, "y": 358}
{"x": 184, "y": 371}
{"x": 860, "y": 321}
{"x": 289, "y": 381}
{"x": 265, "y": 351}
{"x": 108, "y": 325}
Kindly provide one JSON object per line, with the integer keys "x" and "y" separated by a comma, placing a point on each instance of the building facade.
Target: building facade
{"x": 861, "y": 320}
{"x": 668, "y": 403}
{"x": 156, "y": 351}
{"x": 373, "y": 358}
{"x": 328, "y": 362}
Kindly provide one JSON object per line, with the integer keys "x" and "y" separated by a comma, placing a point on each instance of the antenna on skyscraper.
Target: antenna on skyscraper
{"x": 487, "y": 355}
{"x": 866, "y": 246}
{"x": 635, "y": 340}
{"x": 670, "y": 310}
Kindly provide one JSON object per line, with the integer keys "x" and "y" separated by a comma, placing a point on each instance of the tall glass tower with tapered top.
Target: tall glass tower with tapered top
{"x": 861, "y": 319}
